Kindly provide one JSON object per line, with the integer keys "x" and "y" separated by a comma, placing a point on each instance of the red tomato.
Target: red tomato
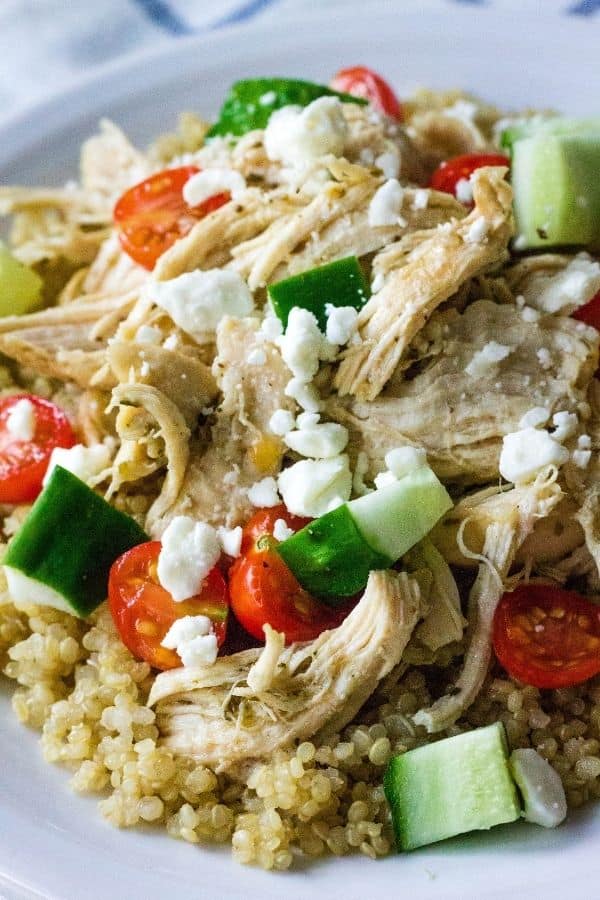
{"x": 143, "y": 611}
{"x": 263, "y": 590}
{"x": 23, "y": 464}
{"x": 152, "y": 215}
{"x": 590, "y": 312}
{"x": 451, "y": 171}
{"x": 547, "y": 636}
{"x": 363, "y": 82}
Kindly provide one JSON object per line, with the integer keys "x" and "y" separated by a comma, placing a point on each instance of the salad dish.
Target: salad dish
{"x": 299, "y": 423}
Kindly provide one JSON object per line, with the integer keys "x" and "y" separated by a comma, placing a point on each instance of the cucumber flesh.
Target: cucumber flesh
{"x": 20, "y": 286}
{"x": 453, "y": 786}
{"x": 547, "y": 126}
{"x": 68, "y": 543}
{"x": 556, "y": 184}
{"x": 330, "y": 558}
{"x": 341, "y": 283}
{"x": 394, "y": 518}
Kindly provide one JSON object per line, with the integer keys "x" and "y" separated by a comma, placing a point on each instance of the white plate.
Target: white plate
{"x": 54, "y": 844}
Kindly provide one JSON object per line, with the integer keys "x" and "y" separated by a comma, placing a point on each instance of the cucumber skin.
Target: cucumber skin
{"x": 242, "y": 112}
{"x": 314, "y": 554}
{"x": 433, "y": 797}
{"x": 70, "y": 539}
{"x": 548, "y": 126}
{"x": 341, "y": 283}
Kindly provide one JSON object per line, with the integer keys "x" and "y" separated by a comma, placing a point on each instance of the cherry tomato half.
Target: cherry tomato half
{"x": 152, "y": 215}
{"x": 547, "y": 637}
{"x": 143, "y": 610}
{"x": 263, "y": 590}
{"x": 589, "y": 312}
{"x": 361, "y": 81}
{"x": 23, "y": 463}
{"x": 451, "y": 171}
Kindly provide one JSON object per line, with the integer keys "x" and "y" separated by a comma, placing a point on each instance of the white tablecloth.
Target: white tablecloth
{"x": 47, "y": 44}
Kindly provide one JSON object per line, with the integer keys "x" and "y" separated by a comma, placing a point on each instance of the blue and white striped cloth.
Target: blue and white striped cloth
{"x": 46, "y": 44}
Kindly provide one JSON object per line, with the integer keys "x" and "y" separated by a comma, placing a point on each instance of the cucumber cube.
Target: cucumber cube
{"x": 453, "y": 786}
{"x": 20, "y": 286}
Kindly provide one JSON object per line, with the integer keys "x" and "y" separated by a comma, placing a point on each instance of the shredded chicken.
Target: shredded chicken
{"x": 215, "y": 716}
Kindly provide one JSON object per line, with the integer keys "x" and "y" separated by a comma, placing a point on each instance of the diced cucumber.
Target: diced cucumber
{"x": 341, "y": 283}
{"x": 543, "y": 794}
{"x": 250, "y": 102}
{"x": 67, "y": 545}
{"x": 332, "y": 556}
{"x": 394, "y": 518}
{"x": 548, "y": 125}
{"x": 556, "y": 184}
{"x": 20, "y": 286}
{"x": 455, "y": 785}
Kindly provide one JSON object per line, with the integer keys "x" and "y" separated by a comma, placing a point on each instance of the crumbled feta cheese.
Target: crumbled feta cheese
{"x": 264, "y": 493}
{"x": 464, "y": 110}
{"x": 271, "y": 328}
{"x": 21, "y": 420}
{"x": 192, "y": 639}
{"x": 296, "y": 136}
{"x": 530, "y": 315}
{"x": 535, "y": 417}
{"x": 145, "y": 369}
{"x": 313, "y": 487}
{"x": 520, "y": 242}
{"x": 281, "y": 422}
{"x": 212, "y": 181}
{"x": 302, "y": 344}
{"x": 87, "y": 463}
{"x": 147, "y": 334}
{"x": 389, "y": 163}
{"x": 230, "y": 540}
{"x": 257, "y": 357}
{"x": 281, "y": 532}
{"x": 581, "y": 458}
{"x": 305, "y": 395}
{"x": 574, "y": 286}
{"x": 544, "y": 358}
{"x": 198, "y": 300}
{"x": 527, "y": 451}
{"x": 384, "y": 479}
{"x": 341, "y": 322}
{"x": 565, "y": 425}
{"x": 477, "y": 231}
{"x": 464, "y": 190}
{"x": 386, "y": 205}
{"x": 403, "y": 460}
{"x": 420, "y": 199}
{"x": 584, "y": 442}
{"x": 189, "y": 551}
{"x": 488, "y": 356}
{"x": 267, "y": 98}
{"x": 318, "y": 440}
{"x": 171, "y": 342}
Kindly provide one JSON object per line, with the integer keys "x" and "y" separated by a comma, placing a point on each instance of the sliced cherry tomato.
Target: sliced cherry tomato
{"x": 152, "y": 215}
{"x": 547, "y": 637}
{"x": 451, "y": 171}
{"x": 23, "y": 464}
{"x": 361, "y": 81}
{"x": 589, "y": 312}
{"x": 143, "y": 610}
{"x": 263, "y": 590}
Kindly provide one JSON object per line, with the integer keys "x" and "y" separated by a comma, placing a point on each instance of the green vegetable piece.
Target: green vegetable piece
{"x": 250, "y": 102}
{"x": 330, "y": 557}
{"x": 341, "y": 283}
{"x": 554, "y": 173}
{"x": 69, "y": 541}
{"x": 20, "y": 286}
{"x": 453, "y": 786}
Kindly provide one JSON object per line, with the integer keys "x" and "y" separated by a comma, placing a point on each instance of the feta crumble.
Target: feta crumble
{"x": 389, "y": 163}
{"x": 264, "y": 493}
{"x": 544, "y": 358}
{"x": 189, "y": 551}
{"x": 208, "y": 182}
{"x": 271, "y": 328}
{"x": 305, "y": 395}
{"x": 302, "y": 344}
{"x": 420, "y": 199}
{"x": 148, "y": 334}
{"x": 581, "y": 458}
{"x": 573, "y": 287}
{"x": 192, "y": 639}
{"x": 257, "y": 357}
{"x": 87, "y": 463}
{"x": 464, "y": 190}
{"x": 313, "y": 487}
{"x": 477, "y": 231}
{"x": 296, "y": 136}
{"x": 281, "y": 422}
{"x": 386, "y": 205}
{"x": 488, "y": 356}
{"x": 198, "y": 300}
{"x": 281, "y": 532}
{"x": 525, "y": 452}
{"x": 403, "y": 460}
{"x": 539, "y": 415}
{"x": 21, "y": 420}
{"x": 230, "y": 540}
{"x": 341, "y": 323}
{"x": 565, "y": 425}
{"x": 318, "y": 440}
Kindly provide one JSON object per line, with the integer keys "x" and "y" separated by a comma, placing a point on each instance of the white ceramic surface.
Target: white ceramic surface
{"x": 54, "y": 844}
